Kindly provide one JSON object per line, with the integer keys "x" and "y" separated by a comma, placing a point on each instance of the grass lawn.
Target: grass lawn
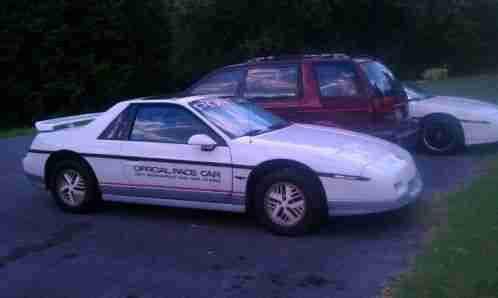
{"x": 483, "y": 87}
{"x": 15, "y": 132}
{"x": 461, "y": 260}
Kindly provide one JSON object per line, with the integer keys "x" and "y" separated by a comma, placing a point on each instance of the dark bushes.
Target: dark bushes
{"x": 63, "y": 57}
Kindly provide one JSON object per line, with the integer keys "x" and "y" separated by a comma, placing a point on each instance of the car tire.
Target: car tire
{"x": 441, "y": 135}
{"x": 74, "y": 187}
{"x": 290, "y": 202}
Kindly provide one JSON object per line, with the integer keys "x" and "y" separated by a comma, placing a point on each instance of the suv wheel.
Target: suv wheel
{"x": 288, "y": 202}
{"x": 441, "y": 135}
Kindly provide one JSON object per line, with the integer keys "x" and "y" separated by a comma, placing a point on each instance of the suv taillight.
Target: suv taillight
{"x": 392, "y": 109}
{"x": 401, "y": 111}
{"x": 385, "y": 104}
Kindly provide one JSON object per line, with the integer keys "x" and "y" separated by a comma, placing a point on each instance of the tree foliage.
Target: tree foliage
{"x": 64, "y": 56}
{"x": 409, "y": 35}
{"x": 71, "y": 56}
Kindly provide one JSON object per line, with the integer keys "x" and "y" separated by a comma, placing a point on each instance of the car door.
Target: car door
{"x": 159, "y": 163}
{"x": 342, "y": 98}
{"x": 109, "y": 143}
{"x": 275, "y": 87}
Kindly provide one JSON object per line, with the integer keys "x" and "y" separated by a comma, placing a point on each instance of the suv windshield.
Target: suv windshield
{"x": 238, "y": 117}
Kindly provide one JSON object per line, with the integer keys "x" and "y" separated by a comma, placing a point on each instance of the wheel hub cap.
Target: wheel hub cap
{"x": 71, "y": 187}
{"x": 438, "y": 137}
{"x": 285, "y": 204}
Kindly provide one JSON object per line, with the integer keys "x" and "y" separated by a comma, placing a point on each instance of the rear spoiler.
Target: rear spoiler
{"x": 65, "y": 122}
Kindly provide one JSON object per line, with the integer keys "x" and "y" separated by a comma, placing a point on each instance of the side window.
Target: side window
{"x": 225, "y": 83}
{"x": 166, "y": 124}
{"x": 337, "y": 80}
{"x": 272, "y": 82}
{"x": 119, "y": 127}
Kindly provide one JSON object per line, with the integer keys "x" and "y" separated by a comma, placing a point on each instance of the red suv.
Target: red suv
{"x": 359, "y": 94}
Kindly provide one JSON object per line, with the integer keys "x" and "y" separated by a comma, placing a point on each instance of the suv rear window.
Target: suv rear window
{"x": 379, "y": 76}
{"x": 272, "y": 82}
{"x": 336, "y": 80}
{"x": 225, "y": 83}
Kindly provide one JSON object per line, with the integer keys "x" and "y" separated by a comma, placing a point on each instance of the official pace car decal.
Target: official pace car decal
{"x": 179, "y": 173}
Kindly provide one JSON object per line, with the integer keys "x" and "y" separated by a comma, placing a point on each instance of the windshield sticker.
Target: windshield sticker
{"x": 205, "y": 175}
{"x": 209, "y": 104}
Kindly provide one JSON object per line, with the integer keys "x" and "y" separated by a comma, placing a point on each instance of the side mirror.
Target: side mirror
{"x": 205, "y": 141}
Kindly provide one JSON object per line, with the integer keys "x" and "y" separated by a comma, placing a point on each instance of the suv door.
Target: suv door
{"x": 275, "y": 87}
{"x": 159, "y": 163}
{"x": 342, "y": 96}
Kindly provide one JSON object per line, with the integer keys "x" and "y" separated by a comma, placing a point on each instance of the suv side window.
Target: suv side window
{"x": 225, "y": 82}
{"x": 166, "y": 124}
{"x": 272, "y": 82}
{"x": 337, "y": 80}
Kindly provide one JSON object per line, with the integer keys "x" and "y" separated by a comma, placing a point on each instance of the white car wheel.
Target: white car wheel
{"x": 285, "y": 204}
{"x": 441, "y": 135}
{"x": 71, "y": 187}
{"x": 290, "y": 201}
{"x": 74, "y": 186}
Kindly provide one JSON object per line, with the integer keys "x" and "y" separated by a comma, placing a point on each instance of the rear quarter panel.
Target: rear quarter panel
{"x": 81, "y": 140}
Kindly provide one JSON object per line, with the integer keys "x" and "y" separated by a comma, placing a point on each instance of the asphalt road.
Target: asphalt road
{"x": 138, "y": 251}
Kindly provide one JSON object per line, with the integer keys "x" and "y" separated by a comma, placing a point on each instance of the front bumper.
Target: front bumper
{"x": 346, "y": 208}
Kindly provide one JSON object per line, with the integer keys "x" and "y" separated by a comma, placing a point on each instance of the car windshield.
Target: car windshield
{"x": 238, "y": 117}
{"x": 414, "y": 92}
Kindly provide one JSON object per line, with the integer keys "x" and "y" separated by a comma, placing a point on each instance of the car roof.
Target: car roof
{"x": 182, "y": 100}
{"x": 282, "y": 59}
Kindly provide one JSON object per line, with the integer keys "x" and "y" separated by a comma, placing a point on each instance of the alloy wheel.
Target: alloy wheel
{"x": 71, "y": 187}
{"x": 285, "y": 204}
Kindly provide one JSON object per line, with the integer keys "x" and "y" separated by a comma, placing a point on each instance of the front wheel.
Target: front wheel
{"x": 441, "y": 135}
{"x": 289, "y": 202}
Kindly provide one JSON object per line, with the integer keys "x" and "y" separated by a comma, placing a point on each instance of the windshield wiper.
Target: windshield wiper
{"x": 422, "y": 98}
{"x": 256, "y": 132}
{"x": 279, "y": 126}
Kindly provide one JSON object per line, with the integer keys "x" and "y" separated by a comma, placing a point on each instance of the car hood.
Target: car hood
{"x": 462, "y": 108}
{"x": 333, "y": 143}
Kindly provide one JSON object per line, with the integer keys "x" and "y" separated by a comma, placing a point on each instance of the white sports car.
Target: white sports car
{"x": 449, "y": 123}
{"x": 209, "y": 152}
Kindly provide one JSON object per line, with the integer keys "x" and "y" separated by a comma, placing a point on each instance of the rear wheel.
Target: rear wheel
{"x": 288, "y": 202}
{"x": 74, "y": 187}
{"x": 441, "y": 135}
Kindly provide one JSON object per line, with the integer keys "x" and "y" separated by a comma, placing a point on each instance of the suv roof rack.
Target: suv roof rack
{"x": 363, "y": 56}
{"x": 302, "y": 56}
